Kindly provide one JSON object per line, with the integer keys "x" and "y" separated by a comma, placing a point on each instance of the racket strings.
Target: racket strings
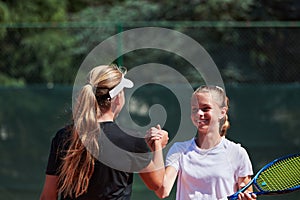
{"x": 282, "y": 175}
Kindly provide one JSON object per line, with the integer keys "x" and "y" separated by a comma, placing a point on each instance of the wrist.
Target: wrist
{"x": 157, "y": 145}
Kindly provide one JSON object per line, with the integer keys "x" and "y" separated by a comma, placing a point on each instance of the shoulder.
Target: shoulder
{"x": 181, "y": 147}
{"x": 239, "y": 158}
{"x": 176, "y": 151}
{"x": 113, "y": 127}
{"x": 58, "y": 149}
{"x": 231, "y": 144}
{"x": 62, "y": 135}
{"x": 63, "y": 132}
{"x": 235, "y": 150}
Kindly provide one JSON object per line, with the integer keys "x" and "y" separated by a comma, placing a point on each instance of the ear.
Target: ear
{"x": 116, "y": 99}
{"x": 223, "y": 112}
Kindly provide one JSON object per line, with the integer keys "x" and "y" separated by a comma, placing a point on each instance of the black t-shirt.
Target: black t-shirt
{"x": 121, "y": 154}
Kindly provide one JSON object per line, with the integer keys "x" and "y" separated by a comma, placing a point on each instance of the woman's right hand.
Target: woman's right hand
{"x": 156, "y": 138}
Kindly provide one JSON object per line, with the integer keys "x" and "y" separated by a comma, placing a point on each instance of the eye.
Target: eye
{"x": 205, "y": 109}
{"x": 195, "y": 110}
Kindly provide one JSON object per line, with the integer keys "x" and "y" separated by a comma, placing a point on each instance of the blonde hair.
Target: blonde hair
{"x": 78, "y": 165}
{"x": 218, "y": 94}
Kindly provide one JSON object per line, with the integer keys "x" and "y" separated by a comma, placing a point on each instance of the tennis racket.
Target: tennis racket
{"x": 277, "y": 177}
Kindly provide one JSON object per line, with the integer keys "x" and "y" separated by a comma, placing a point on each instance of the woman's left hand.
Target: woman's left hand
{"x": 247, "y": 196}
{"x": 156, "y": 136}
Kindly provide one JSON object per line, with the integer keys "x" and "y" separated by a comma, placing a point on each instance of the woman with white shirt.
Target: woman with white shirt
{"x": 208, "y": 166}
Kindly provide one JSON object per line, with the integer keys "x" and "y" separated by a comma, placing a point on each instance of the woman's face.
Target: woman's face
{"x": 205, "y": 112}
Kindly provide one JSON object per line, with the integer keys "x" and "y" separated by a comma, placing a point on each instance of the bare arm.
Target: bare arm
{"x": 168, "y": 182}
{"x": 50, "y": 190}
{"x": 165, "y": 177}
{"x": 153, "y": 174}
{"x": 242, "y": 182}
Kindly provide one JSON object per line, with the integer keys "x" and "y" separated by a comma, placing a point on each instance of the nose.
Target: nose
{"x": 200, "y": 112}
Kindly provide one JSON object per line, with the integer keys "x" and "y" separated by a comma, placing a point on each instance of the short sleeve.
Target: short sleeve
{"x": 56, "y": 152}
{"x": 176, "y": 151}
{"x": 173, "y": 157}
{"x": 245, "y": 167}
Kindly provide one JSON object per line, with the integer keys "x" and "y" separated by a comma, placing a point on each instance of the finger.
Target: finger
{"x": 148, "y": 132}
{"x": 242, "y": 185}
{"x": 147, "y": 139}
{"x": 153, "y": 129}
{"x": 153, "y": 138}
{"x": 156, "y": 137}
{"x": 253, "y": 196}
{"x": 158, "y": 127}
{"x": 241, "y": 195}
{"x": 156, "y": 134}
{"x": 248, "y": 195}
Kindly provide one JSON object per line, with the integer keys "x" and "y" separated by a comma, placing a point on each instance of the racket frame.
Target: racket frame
{"x": 260, "y": 191}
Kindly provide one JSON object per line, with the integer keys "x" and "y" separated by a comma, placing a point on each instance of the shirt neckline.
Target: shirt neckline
{"x": 206, "y": 151}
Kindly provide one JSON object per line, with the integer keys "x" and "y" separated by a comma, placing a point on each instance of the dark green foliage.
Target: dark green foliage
{"x": 45, "y": 41}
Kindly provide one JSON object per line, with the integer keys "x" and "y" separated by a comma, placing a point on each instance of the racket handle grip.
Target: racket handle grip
{"x": 236, "y": 195}
{"x": 233, "y": 197}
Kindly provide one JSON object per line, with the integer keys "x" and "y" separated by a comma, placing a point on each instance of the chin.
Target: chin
{"x": 202, "y": 129}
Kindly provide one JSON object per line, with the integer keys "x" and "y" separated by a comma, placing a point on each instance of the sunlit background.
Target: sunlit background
{"x": 255, "y": 45}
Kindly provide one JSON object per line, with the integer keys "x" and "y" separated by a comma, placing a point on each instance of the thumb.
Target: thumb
{"x": 158, "y": 127}
{"x": 242, "y": 184}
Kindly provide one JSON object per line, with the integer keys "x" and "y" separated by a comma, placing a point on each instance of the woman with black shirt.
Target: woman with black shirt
{"x": 94, "y": 158}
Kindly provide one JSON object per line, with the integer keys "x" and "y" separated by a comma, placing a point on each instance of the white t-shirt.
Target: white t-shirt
{"x": 208, "y": 174}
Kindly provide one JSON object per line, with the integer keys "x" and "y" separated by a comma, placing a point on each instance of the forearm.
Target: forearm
{"x": 153, "y": 175}
{"x": 168, "y": 182}
{"x": 48, "y": 197}
{"x": 158, "y": 160}
{"x": 163, "y": 191}
{"x": 247, "y": 194}
{"x": 243, "y": 181}
{"x": 50, "y": 190}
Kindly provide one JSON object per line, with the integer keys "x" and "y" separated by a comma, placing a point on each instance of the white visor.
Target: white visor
{"x": 125, "y": 83}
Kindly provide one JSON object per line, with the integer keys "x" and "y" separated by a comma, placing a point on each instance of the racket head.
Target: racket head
{"x": 279, "y": 176}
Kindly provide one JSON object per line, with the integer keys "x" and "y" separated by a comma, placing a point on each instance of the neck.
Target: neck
{"x": 208, "y": 140}
{"x": 107, "y": 116}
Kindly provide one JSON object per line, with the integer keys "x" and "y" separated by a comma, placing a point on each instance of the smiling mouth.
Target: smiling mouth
{"x": 202, "y": 121}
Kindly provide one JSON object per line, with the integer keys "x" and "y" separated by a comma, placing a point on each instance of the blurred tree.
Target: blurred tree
{"x": 131, "y": 13}
{"x": 35, "y": 55}
{"x": 39, "y": 45}
{"x": 275, "y": 50}
{"x": 4, "y": 17}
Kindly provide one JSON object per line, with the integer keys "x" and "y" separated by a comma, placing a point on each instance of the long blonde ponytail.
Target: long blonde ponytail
{"x": 224, "y": 122}
{"x": 78, "y": 164}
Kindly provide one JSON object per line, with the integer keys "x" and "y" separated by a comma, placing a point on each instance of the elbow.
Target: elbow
{"x": 155, "y": 186}
{"x": 162, "y": 193}
{"x": 48, "y": 196}
{"x": 163, "y": 196}
{"x": 45, "y": 197}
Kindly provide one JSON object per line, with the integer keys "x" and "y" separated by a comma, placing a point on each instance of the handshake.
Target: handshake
{"x": 156, "y": 138}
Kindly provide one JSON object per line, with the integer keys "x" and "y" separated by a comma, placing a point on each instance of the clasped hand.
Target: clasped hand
{"x": 156, "y": 138}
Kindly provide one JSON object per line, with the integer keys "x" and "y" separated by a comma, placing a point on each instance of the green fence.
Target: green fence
{"x": 245, "y": 52}
{"x": 259, "y": 63}
{"x": 264, "y": 118}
